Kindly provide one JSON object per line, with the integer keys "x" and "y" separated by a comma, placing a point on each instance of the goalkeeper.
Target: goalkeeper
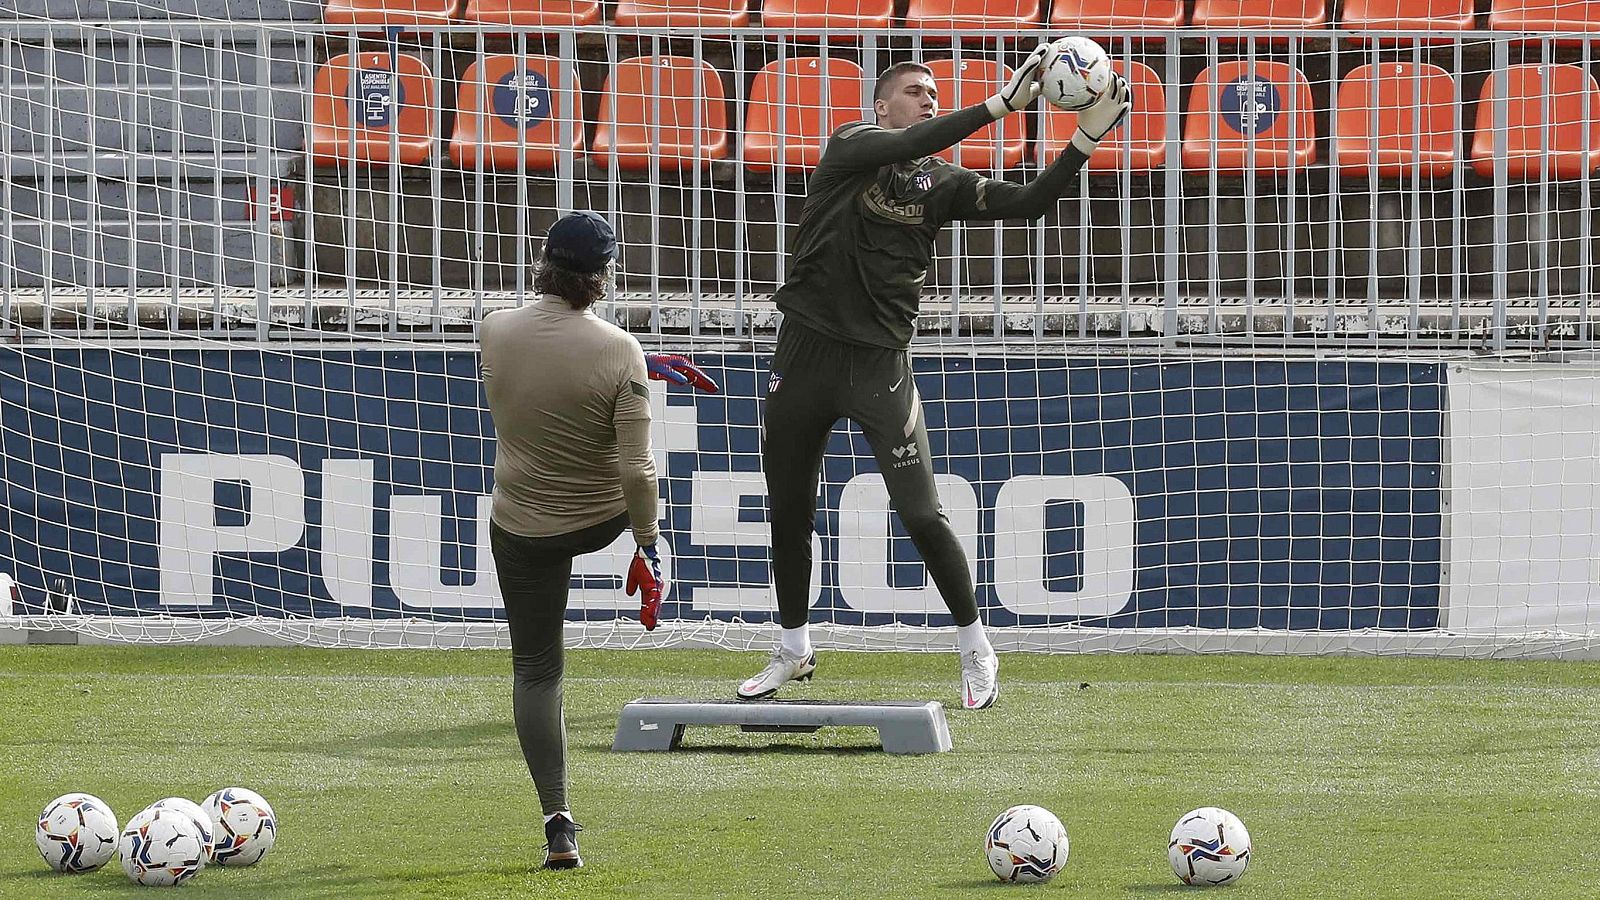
{"x": 873, "y": 208}
{"x": 573, "y": 468}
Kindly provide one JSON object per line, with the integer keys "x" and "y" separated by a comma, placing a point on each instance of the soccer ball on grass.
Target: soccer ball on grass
{"x": 161, "y": 847}
{"x": 245, "y": 826}
{"x": 1027, "y": 844}
{"x": 76, "y": 833}
{"x": 1209, "y": 846}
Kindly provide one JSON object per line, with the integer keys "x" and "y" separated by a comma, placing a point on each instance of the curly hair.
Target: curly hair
{"x": 581, "y": 290}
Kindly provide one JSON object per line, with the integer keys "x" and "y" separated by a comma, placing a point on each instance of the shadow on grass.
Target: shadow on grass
{"x": 744, "y": 749}
{"x": 488, "y": 733}
{"x": 1166, "y": 887}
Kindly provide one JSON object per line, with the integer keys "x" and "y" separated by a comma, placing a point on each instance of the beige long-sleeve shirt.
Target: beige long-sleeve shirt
{"x": 571, "y": 409}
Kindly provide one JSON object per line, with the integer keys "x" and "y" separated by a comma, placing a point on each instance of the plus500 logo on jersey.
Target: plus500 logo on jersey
{"x": 1126, "y": 492}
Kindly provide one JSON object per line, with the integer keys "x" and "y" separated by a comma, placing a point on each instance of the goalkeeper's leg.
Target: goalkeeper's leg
{"x": 885, "y": 402}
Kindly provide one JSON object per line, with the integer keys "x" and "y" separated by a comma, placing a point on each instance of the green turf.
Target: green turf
{"x": 396, "y": 774}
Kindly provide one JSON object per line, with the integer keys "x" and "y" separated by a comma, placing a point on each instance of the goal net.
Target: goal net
{"x": 1301, "y": 365}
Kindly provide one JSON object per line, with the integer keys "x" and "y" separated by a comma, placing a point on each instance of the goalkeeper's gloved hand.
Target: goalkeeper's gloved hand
{"x": 1023, "y": 88}
{"x": 644, "y": 579}
{"x": 678, "y": 370}
{"x": 1106, "y": 114}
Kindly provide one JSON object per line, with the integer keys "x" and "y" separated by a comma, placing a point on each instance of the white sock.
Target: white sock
{"x": 970, "y": 637}
{"x": 560, "y": 812}
{"x": 796, "y": 642}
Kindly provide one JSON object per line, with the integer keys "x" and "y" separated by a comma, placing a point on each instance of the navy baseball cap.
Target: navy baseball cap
{"x": 581, "y": 241}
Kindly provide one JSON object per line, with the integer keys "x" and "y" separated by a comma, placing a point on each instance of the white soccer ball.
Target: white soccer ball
{"x": 76, "y": 833}
{"x": 1209, "y": 846}
{"x": 162, "y": 847}
{"x": 245, "y": 826}
{"x": 1077, "y": 75}
{"x": 1026, "y": 843}
{"x": 202, "y": 821}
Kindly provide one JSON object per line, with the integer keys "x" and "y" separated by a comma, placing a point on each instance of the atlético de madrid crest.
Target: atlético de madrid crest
{"x": 923, "y": 181}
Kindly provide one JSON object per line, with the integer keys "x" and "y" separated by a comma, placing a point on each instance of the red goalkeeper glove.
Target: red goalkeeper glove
{"x": 678, "y": 370}
{"x": 644, "y": 579}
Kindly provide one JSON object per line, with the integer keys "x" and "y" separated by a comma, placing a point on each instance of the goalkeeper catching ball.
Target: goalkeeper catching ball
{"x": 873, "y": 208}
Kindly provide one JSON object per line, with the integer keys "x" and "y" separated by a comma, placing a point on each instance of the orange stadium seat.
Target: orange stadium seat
{"x": 654, "y": 112}
{"x": 791, "y": 15}
{"x": 1230, "y": 107}
{"x": 363, "y": 102}
{"x": 383, "y": 13}
{"x": 1260, "y": 13}
{"x": 979, "y": 15}
{"x": 534, "y": 13}
{"x": 683, "y": 13}
{"x": 1115, "y": 14}
{"x": 801, "y": 100}
{"x": 507, "y": 110}
{"x": 972, "y": 81}
{"x": 1409, "y": 15}
{"x": 1570, "y": 140}
{"x": 1139, "y": 144}
{"x": 1545, "y": 15}
{"x": 1416, "y": 127}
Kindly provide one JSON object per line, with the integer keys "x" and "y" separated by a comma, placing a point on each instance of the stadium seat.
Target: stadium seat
{"x": 1229, "y": 107}
{"x": 534, "y": 13}
{"x": 1139, "y": 144}
{"x": 803, "y": 102}
{"x": 978, "y": 15}
{"x": 683, "y": 13}
{"x": 506, "y": 111}
{"x": 1260, "y": 14}
{"x": 972, "y": 81}
{"x": 1570, "y": 141}
{"x": 1546, "y": 15}
{"x": 656, "y": 118}
{"x": 1416, "y": 127}
{"x": 384, "y": 13}
{"x": 820, "y": 15}
{"x": 363, "y": 102}
{"x": 1116, "y": 14}
{"x": 1446, "y": 16}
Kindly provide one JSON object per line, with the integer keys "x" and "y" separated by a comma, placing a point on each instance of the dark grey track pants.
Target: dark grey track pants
{"x": 815, "y": 382}
{"x": 534, "y": 577}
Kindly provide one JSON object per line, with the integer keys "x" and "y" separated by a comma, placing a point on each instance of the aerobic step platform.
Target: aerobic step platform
{"x": 656, "y": 723}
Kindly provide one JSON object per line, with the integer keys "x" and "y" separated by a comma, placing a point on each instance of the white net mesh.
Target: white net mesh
{"x": 1218, "y": 398}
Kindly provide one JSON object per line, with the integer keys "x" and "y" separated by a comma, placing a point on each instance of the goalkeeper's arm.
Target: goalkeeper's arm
{"x": 994, "y": 199}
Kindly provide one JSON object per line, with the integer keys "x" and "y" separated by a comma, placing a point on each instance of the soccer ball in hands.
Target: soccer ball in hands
{"x": 1209, "y": 847}
{"x": 1079, "y": 72}
{"x": 202, "y": 821}
{"x": 77, "y": 833}
{"x": 161, "y": 847}
{"x": 245, "y": 826}
{"x": 1026, "y": 843}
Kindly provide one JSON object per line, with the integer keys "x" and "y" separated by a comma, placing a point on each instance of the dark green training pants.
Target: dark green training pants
{"x": 535, "y": 574}
{"x": 816, "y": 381}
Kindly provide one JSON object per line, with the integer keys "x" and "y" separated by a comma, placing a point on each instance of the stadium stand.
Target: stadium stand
{"x": 163, "y": 10}
{"x": 1552, "y": 116}
{"x": 1397, "y": 119}
{"x": 1260, "y": 14}
{"x": 1440, "y": 16}
{"x": 683, "y": 14}
{"x": 391, "y": 13}
{"x": 534, "y": 13}
{"x": 1117, "y": 14}
{"x": 975, "y": 15}
{"x": 372, "y": 109}
{"x": 1139, "y": 144}
{"x": 648, "y": 108}
{"x": 1239, "y": 119}
{"x": 1546, "y": 15}
{"x": 794, "y": 105}
{"x": 507, "y": 113}
{"x": 968, "y": 81}
{"x": 798, "y": 15}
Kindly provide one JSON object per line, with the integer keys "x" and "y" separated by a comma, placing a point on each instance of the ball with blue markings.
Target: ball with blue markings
{"x": 76, "y": 833}
{"x": 1209, "y": 847}
{"x": 1026, "y": 844}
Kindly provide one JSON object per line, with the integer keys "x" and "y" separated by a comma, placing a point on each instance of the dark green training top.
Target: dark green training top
{"x": 873, "y": 208}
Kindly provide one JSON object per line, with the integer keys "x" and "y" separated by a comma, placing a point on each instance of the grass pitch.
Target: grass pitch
{"x": 397, "y": 774}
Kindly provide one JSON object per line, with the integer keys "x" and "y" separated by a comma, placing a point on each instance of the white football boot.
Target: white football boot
{"x": 980, "y": 679}
{"x": 780, "y": 671}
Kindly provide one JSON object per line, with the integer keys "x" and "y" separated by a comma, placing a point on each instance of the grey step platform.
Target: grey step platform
{"x": 903, "y": 727}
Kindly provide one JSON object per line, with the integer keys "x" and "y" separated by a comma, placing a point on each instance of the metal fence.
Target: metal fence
{"x": 157, "y": 174}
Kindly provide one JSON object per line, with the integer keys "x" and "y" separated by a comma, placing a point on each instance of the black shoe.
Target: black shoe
{"x": 561, "y": 843}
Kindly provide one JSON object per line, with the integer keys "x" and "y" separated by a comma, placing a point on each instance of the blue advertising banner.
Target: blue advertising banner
{"x": 1110, "y": 492}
